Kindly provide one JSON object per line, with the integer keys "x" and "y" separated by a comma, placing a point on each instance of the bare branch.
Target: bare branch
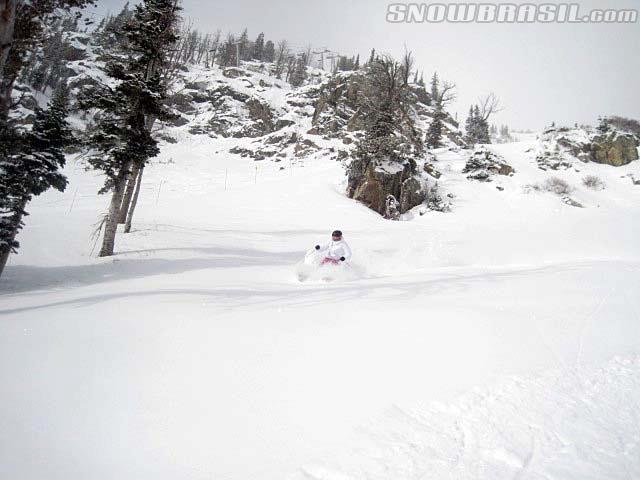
{"x": 489, "y": 105}
{"x": 407, "y": 65}
{"x": 447, "y": 93}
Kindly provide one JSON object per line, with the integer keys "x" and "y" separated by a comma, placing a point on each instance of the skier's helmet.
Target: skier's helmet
{"x": 336, "y": 233}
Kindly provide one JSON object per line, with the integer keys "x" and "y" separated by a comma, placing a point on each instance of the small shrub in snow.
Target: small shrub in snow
{"x": 593, "y": 182}
{"x": 434, "y": 200}
{"x": 557, "y": 186}
{"x": 532, "y": 187}
{"x": 553, "y": 184}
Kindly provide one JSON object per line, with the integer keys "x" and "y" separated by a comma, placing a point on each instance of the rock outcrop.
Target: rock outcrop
{"x": 561, "y": 147}
{"x": 386, "y": 186}
{"x": 614, "y": 148}
{"x": 484, "y": 164}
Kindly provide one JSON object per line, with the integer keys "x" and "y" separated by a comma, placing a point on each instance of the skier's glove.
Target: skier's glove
{"x": 317, "y": 247}
{"x": 342, "y": 259}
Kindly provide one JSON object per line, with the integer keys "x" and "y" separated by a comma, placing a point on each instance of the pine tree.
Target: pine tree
{"x": 228, "y": 52}
{"x": 243, "y": 45}
{"x": 269, "y": 51}
{"x": 468, "y": 126}
{"x": 435, "y": 82}
{"x": 299, "y": 73}
{"x": 31, "y": 162}
{"x": 258, "y": 48}
{"x": 483, "y": 131}
{"x": 25, "y": 170}
{"x": 111, "y": 33}
{"x": 477, "y": 127}
{"x": 122, "y": 141}
{"x": 356, "y": 66}
{"x": 388, "y": 109}
{"x": 434, "y": 132}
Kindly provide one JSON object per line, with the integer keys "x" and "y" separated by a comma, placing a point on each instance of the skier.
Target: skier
{"x": 335, "y": 252}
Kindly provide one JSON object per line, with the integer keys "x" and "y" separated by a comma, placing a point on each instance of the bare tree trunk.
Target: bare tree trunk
{"x": 126, "y": 200}
{"x": 17, "y": 218}
{"x": 134, "y": 201}
{"x": 7, "y": 24}
{"x": 111, "y": 225}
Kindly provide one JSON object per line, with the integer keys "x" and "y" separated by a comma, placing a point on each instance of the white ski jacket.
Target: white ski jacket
{"x": 336, "y": 250}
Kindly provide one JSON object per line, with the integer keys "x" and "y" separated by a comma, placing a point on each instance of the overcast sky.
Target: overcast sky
{"x": 542, "y": 72}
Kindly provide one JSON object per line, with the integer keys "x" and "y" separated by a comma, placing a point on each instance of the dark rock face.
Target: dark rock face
{"x": 483, "y": 164}
{"x": 614, "y": 149}
{"x": 373, "y": 184}
{"x": 337, "y": 106}
{"x": 412, "y": 193}
{"x": 262, "y": 117}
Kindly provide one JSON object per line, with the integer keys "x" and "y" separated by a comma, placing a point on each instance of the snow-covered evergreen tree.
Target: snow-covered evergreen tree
{"x": 434, "y": 132}
{"x": 441, "y": 95}
{"x": 299, "y": 73}
{"x": 435, "y": 87}
{"x": 258, "y": 48}
{"x": 243, "y": 45}
{"x": 269, "y": 52}
{"x": 26, "y": 170}
{"x": 228, "y": 53}
{"x": 388, "y": 103}
{"x": 477, "y": 127}
{"x": 121, "y": 140}
{"x": 30, "y": 164}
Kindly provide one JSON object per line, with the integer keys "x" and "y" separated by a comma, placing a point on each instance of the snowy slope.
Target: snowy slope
{"x": 499, "y": 340}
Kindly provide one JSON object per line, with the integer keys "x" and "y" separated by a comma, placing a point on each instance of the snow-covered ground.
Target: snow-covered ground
{"x": 501, "y": 340}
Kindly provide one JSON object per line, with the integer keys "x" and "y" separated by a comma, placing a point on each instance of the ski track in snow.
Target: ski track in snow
{"x": 544, "y": 426}
{"x": 498, "y": 341}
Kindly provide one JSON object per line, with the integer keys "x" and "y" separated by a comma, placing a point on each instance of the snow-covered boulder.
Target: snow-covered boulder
{"x": 614, "y": 148}
{"x": 484, "y": 164}
{"x": 560, "y": 147}
{"x": 373, "y": 183}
